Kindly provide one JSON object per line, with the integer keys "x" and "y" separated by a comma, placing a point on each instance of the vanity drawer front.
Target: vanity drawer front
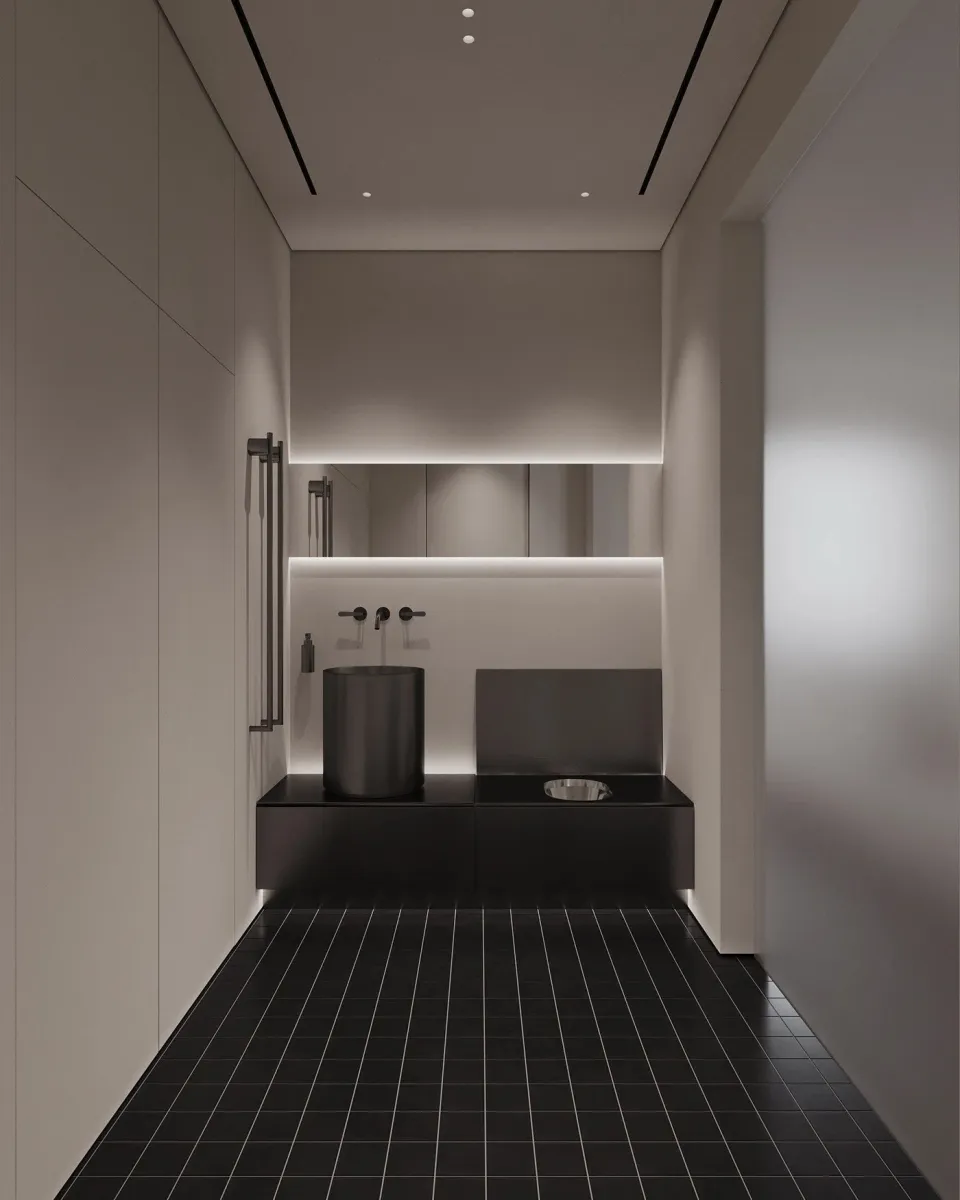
{"x": 543, "y": 851}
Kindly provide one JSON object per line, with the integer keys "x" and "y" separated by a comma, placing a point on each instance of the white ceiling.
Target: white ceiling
{"x": 483, "y": 146}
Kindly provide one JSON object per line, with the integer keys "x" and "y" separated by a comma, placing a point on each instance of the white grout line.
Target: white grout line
{"x": 653, "y": 1076}
{"x": 145, "y": 1078}
{"x": 825, "y": 1145}
{"x": 566, "y": 1061}
{"x": 286, "y": 970}
{"x": 323, "y": 1052}
{"x": 687, "y": 1056}
{"x": 363, "y": 1055}
{"x": 293, "y": 1031}
{"x": 526, "y": 1072}
{"x": 613, "y": 1082}
{"x": 483, "y": 1018}
{"x": 443, "y": 1062}
{"x": 403, "y": 1057}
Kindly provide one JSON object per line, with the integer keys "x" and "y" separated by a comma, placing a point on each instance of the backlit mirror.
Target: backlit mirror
{"x": 543, "y": 510}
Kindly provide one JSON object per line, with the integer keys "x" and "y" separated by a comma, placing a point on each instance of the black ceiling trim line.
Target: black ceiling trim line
{"x": 688, "y": 75}
{"x": 255, "y": 50}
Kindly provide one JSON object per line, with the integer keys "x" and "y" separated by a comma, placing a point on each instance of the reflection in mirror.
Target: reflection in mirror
{"x": 469, "y": 510}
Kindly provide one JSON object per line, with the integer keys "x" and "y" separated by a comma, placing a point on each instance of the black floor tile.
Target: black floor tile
{"x": 198, "y": 1189}
{"x": 566, "y": 1187}
{"x": 461, "y": 1189}
{"x": 645, "y": 1065}
{"x": 146, "y": 1189}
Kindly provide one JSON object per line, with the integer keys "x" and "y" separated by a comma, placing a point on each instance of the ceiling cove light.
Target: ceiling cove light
{"x": 469, "y": 39}
{"x": 468, "y": 13}
{"x": 366, "y": 195}
{"x": 584, "y": 195}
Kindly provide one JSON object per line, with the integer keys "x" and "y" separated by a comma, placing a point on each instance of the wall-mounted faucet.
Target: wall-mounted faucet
{"x": 407, "y": 614}
{"x": 359, "y": 613}
{"x": 383, "y": 614}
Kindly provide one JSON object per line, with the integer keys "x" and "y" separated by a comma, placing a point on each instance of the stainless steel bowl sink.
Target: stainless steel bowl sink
{"x": 577, "y": 789}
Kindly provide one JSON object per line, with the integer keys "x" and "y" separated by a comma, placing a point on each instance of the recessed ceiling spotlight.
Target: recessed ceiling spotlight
{"x": 366, "y": 195}
{"x": 468, "y": 13}
{"x": 584, "y": 195}
{"x": 469, "y": 39}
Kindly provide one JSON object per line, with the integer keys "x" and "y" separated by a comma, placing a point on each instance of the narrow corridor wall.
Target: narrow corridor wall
{"x": 863, "y": 587}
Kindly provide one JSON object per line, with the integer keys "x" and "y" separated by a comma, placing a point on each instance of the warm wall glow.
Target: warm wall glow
{"x": 433, "y": 764}
{"x": 574, "y": 458}
{"x": 534, "y": 568}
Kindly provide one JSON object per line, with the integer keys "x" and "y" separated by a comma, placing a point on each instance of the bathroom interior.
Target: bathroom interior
{"x": 479, "y": 600}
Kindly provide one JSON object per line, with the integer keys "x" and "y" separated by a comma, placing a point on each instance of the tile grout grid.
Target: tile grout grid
{"x": 443, "y": 1054}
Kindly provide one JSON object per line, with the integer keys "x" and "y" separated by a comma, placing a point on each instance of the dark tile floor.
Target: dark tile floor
{"x": 525, "y": 1055}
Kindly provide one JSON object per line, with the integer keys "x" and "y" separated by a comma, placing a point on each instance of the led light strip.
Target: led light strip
{"x": 530, "y": 568}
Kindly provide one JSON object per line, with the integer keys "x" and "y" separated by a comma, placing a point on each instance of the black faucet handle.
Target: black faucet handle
{"x": 359, "y": 613}
{"x": 407, "y": 614}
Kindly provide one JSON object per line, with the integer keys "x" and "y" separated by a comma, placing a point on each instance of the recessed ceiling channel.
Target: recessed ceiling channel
{"x": 684, "y": 84}
{"x": 469, "y": 40}
{"x": 288, "y": 130}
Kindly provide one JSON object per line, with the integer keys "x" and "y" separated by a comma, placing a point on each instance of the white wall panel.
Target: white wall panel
{"x": 862, "y": 540}
{"x": 196, "y": 207}
{"x": 86, "y": 693}
{"x": 87, "y": 122}
{"x": 700, "y": 410}
{"x": 262, "y": 400}
{"x": 196, "y": 669}
{"x": 510, "y": 613}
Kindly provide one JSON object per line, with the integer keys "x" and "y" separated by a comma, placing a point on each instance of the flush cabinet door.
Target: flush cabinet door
{"x": 87, "y": 678}
{"x": 196, "y": 668}
{"x": 617, "y": 853}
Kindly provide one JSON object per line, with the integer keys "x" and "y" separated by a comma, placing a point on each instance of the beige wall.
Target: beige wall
{"x": 152, "y": 338}
{"x": 862, "y": 487}
{"x": 711, "y": 487}
{"x": 521, "y": 612}
{"x": 502, "y": 357}
{"x": 8, "y": 993}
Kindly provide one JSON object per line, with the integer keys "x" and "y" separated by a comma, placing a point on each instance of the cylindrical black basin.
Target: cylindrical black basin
{"x": 373, "y": 731}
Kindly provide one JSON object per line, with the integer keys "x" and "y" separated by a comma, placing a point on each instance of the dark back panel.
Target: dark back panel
{"x": 569, "y": 722}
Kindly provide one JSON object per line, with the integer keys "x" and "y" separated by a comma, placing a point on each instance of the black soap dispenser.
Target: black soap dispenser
{"x": 307, "y": 656}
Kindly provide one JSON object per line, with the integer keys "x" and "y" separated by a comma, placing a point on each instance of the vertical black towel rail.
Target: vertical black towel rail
{"x": 267, "y": 453}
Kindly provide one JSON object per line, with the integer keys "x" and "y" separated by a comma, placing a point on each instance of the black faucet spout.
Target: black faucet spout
{"x": 383, "y": 614}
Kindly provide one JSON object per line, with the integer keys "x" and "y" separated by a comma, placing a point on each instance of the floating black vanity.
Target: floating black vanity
{"x": 492, "y": 839}
{"x": 498, "y": 838}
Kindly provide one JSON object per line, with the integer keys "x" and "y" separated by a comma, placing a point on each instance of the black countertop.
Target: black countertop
{"x": 295, "y": 791}
{"x": 307, "y": 790}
